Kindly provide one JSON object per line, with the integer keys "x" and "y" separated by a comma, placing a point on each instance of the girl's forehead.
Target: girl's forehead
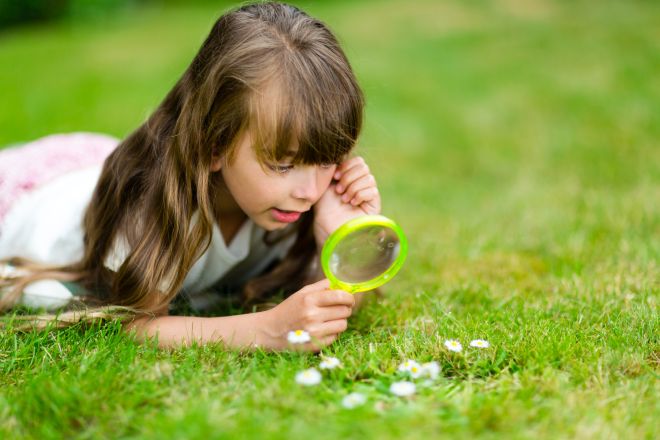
{"x": 285, "y": 124}
{"x": 273, "y": 122}
{"x": 249, "y": 144}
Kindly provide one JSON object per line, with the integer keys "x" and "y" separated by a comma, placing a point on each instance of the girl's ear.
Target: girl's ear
{"x": 216, "y": 160}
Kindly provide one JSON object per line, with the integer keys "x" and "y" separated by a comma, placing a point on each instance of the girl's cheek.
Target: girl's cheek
{"x": 328, "y": 175}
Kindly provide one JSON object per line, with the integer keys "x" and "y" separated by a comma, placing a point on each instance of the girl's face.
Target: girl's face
{"x": 272, "y": 194}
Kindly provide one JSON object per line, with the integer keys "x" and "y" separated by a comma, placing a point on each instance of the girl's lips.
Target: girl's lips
{"x": 285, "y": 216}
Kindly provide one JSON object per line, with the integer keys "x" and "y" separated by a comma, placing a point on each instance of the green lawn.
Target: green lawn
{"x": 516, "y": 142}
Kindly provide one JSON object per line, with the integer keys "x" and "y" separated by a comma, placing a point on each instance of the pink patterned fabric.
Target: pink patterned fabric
{"x": 31, "y": 165}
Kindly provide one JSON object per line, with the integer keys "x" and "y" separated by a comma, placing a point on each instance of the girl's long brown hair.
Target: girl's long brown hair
{"x": 159, "y": 176}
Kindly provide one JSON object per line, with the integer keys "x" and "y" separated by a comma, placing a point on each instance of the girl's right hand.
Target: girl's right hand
{"x": 315, "y": 308}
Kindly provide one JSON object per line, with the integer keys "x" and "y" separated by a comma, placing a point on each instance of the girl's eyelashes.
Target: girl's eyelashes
{"x": 280, "y": 169}
{"x": 283, "y": 169}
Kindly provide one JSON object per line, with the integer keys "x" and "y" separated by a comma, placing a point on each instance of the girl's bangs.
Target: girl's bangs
{"x": 304, "y": 126}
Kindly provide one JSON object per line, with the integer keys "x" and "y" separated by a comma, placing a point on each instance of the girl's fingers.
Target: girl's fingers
{"x": 335, "y": 298}
{"x": 368, "y": 195}
{"x": 362, "y": 183}
{"x": 350, "y": 177}
{"x": 351, "y": 174}
{"x": 322, "y": 284}
{"x": 318, "y": 344}
{"x": 325, "y": 335}
{"x": 357, "y": 185}
{"x": 334, "y": 327}
{"x": 332, "y": 313}
{"x": 347, "y": 164}
{"x": 329, "y": 328}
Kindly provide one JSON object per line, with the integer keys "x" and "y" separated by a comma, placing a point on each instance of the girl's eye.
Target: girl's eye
{"x": 281, "y": 169}
{"x": 327, "y": 165}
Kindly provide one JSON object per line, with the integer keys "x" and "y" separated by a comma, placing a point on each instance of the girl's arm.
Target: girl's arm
{"x": 315, "y": 308}
{"x": 237, "y": 331}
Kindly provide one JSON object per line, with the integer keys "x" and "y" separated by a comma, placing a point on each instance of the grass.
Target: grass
{"x": 515, "y": 142}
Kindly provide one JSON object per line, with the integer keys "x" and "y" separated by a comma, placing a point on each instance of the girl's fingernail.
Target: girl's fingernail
{"x": 337, "y": 175}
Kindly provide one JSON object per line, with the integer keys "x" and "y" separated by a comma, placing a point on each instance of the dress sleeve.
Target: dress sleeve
{"x": 119, "y": 253}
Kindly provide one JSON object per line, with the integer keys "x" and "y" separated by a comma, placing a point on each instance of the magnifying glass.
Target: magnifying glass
{"x": 364, "y": 253}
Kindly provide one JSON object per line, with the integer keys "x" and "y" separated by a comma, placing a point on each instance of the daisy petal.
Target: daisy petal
{"x": 453, "y": 345}
{"x": 309, "y": 377}
{"x": 328, "y": 363}
{"x": 480, "y": 343}
{"x": 298, "y": 337}
{"x": 403, "y": 388}
{"x": 431, "y": 369}
{"x": 353, "y": 400}
{"x": 411, "y": 367}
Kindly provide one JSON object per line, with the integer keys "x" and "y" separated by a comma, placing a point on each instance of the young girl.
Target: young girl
{"x": 236, "y": 179}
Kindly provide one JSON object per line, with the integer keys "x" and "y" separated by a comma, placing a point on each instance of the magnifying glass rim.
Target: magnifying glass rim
{"x": 348, "y": 228}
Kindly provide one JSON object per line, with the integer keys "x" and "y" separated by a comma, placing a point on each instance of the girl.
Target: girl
{"x": 236, "y": 179}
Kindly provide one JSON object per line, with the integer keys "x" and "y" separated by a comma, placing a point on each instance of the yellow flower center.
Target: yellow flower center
{"x": 298, "y": 332}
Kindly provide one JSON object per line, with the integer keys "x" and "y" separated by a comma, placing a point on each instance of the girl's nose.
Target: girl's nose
{"x": 307, "y": 185}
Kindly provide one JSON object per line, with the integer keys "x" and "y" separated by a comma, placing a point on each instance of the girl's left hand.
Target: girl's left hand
{"x": 354, "y": 194}
{"x": 357, "y": 185}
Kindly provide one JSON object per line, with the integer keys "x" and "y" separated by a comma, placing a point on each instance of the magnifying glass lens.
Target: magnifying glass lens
{"x": 365, "y": 254}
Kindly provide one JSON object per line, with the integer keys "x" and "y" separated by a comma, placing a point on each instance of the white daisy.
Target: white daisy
{"x": 403, "y": 388}
{"x": 298, "y": 337}
{"x": 480, "y": 343}
{"x": 411, "y": 367}
{"x": 431, "y": 369}
{"x": 353, "y": 400}
{"x": 453, "y": 345}
{"x": 308, "y": 377}
{"x": 329, "y": 363}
